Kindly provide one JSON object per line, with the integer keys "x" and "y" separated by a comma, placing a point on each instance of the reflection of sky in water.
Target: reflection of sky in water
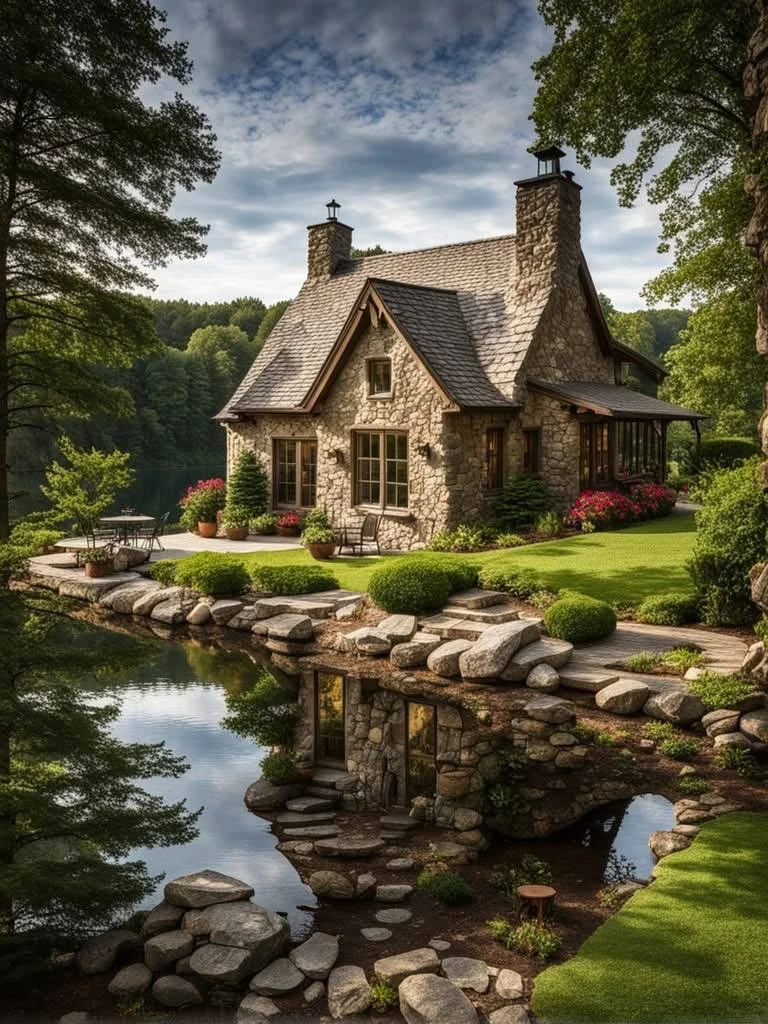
{"x": 643, "y": 815}
{"x": 168, "y": 703}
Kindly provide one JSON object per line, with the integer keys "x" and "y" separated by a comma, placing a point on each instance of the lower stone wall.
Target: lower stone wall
{"x": 560, "y": 443}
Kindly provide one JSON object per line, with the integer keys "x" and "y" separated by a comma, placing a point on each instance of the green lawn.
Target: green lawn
{"x": 689, "y": 948}
{"x": 623, "y": 566}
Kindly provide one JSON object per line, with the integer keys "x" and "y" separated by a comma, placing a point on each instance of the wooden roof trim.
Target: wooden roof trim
{"x": 582, "y": 404}
{"x": 335, "y": 360}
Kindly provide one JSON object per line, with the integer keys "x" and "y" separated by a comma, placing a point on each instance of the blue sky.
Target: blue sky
{"x": 413, "y": 114}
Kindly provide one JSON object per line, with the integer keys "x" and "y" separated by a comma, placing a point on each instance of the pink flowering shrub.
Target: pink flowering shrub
{"x": 202, "y": 501}
{"x": 603, "y": 510}
{"x": 654, "y": 499}
{"x": 288, "y": 521}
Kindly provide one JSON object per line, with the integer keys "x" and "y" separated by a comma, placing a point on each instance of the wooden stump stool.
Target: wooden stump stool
{"x": 535, "y": 898}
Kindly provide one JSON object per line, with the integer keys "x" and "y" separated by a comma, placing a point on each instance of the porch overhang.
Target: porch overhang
{"x": 612, "y": 401}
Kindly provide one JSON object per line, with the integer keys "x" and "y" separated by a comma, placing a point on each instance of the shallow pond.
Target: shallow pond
{"x": 178, "y": 696}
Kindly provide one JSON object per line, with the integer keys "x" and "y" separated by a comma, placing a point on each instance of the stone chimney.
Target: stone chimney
{"x": 548, "y": 232}
{"x": 329, "y": 244}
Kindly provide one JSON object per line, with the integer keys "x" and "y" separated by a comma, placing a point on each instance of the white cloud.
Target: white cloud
{"x": 413, "y": 115}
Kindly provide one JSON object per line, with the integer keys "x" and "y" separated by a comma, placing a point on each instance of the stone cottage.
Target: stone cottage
{"x": 415, "y": 384}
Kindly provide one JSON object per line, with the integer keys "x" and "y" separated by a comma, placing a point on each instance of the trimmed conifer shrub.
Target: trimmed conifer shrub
{"x": 247, "y": 487}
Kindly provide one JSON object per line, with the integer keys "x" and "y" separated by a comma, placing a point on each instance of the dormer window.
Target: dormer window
{"x": 379, "y": 378}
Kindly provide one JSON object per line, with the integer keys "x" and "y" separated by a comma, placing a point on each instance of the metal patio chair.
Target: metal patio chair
{"x": 362, "y": 535}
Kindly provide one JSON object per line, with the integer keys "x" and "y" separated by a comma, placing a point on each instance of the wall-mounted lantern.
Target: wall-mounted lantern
{"x": 335, "y": 455}
{"x": 424, "y": 450}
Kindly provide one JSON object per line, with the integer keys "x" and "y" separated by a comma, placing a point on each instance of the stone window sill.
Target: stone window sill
{"x": 387, "y": 513}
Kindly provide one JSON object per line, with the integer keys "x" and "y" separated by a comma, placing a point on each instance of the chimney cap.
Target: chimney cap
{"x": 548, "y": 159}
{"x": 333, "y": 207}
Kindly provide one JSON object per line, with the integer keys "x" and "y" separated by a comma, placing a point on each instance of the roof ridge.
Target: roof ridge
{"x": 429, "y": 248}
{"x": 407, "y": 284}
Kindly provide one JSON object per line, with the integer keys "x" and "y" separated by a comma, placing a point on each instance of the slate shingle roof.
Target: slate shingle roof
{"x": 480, "y": 273}
{"x": 613, "y": 398}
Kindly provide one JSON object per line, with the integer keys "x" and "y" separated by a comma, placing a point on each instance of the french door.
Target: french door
{"x": 330, "y": 718}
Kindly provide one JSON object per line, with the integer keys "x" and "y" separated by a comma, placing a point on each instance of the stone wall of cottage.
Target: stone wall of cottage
{"x": 466, "y": 468}
{"x": 559, "y": 445}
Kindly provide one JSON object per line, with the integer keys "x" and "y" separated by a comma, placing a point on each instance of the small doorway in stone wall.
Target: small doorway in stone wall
{"x": 421, "y": 749}
{"x": 330, "y": 719}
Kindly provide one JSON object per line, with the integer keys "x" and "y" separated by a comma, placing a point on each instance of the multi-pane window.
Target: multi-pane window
{"x": 531, "y": 451}
{"x": 494, "y": 465}
{"x": 379, "y": 377}
{"x": 381, "y": 468}
{"x": 618, "y": 450}
{"x": 295, "y": 471}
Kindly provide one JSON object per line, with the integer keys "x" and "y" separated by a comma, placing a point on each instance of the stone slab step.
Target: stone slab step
{"x": 268, "y": 607}
{"x": 309, "y": 804}
{"x": 349, "y": 847}
{"x": 476, "y": 598}
{"x": 324, "y": 793}
{"x": 398, "y": 822}
{"x": 450, "y": 628}
{"x": 301, "y": 818}
{"x": 490, "y": 616}
{"x": 333, "y": 778}
{"x": 313, "y": 832}
{"x": 591, "y": 680}
{"x": 338, "y": 598}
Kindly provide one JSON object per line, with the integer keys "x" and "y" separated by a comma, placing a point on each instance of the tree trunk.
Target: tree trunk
{"x": 756, "y": 104}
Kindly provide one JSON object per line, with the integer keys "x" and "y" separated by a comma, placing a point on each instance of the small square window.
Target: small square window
{"x": 379, "y": 377}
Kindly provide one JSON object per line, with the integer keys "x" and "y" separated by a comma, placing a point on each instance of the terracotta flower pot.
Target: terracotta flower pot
{"x": 98, "y": 570}
{"x": 207, "y": 529}
{"x": 236, "y": 532}
{"x": 321, "y": 551}
{"x": 287, "y": 531}
{"x": 453, "y": 783}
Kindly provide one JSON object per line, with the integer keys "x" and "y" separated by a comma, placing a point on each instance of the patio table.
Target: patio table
{"x": 124, "y": 523}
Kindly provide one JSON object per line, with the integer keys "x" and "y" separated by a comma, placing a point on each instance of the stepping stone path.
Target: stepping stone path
{"x": 348, "y": 992}
{"x": 392, "y": 893}
{"x": 203, "y": 888}
{"x": 440, "y": 945}
{"x": 400, "y": 864}
{"x": 509, "y": 1015}
{"x": 309, "y": 805}
{"x": 624, "y": 697}
{"x": 280, "y": 978}
{"x": 394, "y": 916}
{"x": 465, "y": 972}
{"x": 428, "y": 999}
{"x": 316, "y": 956}
{"x": 347, "y": 846}
{"x": 394, "y": 969}
{"x": 300, "y": 818}
{"x": 509, "y": 985}
{"x": 313, "y": 832}
{"x": 376, "y": 934}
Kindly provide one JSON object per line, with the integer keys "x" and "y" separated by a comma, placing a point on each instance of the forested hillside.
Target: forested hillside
{"x": 203, "y": 350}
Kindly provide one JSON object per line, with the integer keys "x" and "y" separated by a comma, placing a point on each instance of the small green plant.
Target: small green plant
{"x": 692, "y": 785}
{"x": 549, "y": 525}
{"x": 264, "y": 525}
{"x": 761, "y": 628}
{"x": 317, "y": 528}
{"x": 680, "y": 659}
{"x": 235, "y": 516}
{"x": 279, "y": 767}
{"x": 292, "y": 579}
{"x": 521, "y": 502}
{"x": 383, "y": 997}
{"x": 510, "y": 540}
{"x": 658, "y": 731}
{"x": 579, "y": 619}
{"x": 670, "y": 609}
{"x": 530, "y": 871}
{"x": 643, "y": 661}
{"x": 716, "y": 691}
{"x": 445, "y": 886}
{"x": 212, "y": 573}
{"x": 164, "y": 572}
{"x": 520, "y": 583}
{"x": 740, "y": 760}
{"x": 32, "y": 537}
{"x": 530, "y": 938}
{"x": 679, "y": 748}
{"x": 542, "y": 599}
{"x": 467, "y": 537}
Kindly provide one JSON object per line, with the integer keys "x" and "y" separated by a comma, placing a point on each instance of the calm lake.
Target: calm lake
{"x": 178, "y": 696}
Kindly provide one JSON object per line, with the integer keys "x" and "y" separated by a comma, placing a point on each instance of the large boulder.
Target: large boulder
{"x": 754, "y": 725}
{"x": 675, "y": 706}
{"x": 147, "y": 602}
{"x": 248, "y": 926}
{"x": 366, "y": 640}
{"x": 315, "y": 957}
{"x": 296, "y": 628}
{"x": 551, "y": 710}
{"x": 224, "y": 964}
{"x": 488, "y": 658}
{"x": 465, "y": 972}
{"x": 200, "y": 614}
{"x": 547, "y": 651}
{"x": 398, "y": 629}
{"x": 263, "y": 796}
{"x": 131, "y": 981}
{"x": 732, "y": 739}
{"x": 394, "y": 969}
{"x": 225, "y": 609}
{"x": 415, "y": 652}
{"x": 102, "y": 952}
{"x": 203, "y": 888}
{"x": 126, "y": 557}
{"x": 624, "y": 697}
{"x": 161, "y": 952}
{"x": 543, "y": 678}
{"x": 348, "y": 992}
{"x": 280, "y": 978}
{"x": 176, "y": 992}
{"x": 720, "y": 721}
{"x": 509, "y": 984}
{"x": 332, "y": 884}
{"x": 255, "y": 1010}
{"x": 444, "y": 660}
{"x": 427, "y": 999}
{"x": 663, "y": 843}
{"x": 123, "y": 598}
{"x": 162, "y": 918}
{"x": 509, "y": 1015}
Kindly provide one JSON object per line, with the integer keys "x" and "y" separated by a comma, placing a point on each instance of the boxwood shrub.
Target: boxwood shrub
{"x": 212, "y": 573}
{"x": 420, "y": 583}
{"x": 579, "y": 619}
{"x": 165, "y": 571}
{"x": 674, "y": 608}
{"x": 520, "y": 583}
{"x": 292, "y": 579}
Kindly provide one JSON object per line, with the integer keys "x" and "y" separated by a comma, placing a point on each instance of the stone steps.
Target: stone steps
{"x": 332, "y": 796}
{"x": 332, "y": 778}
{"x": 302, "y": 818}
{"x": 309, "y": 804}
{"x": 398, "y": 822}
{"x": 313, "y": 832}
{"x": 584, "y": 677}
{"x": 449, "y": 628}
{"x": 476, "y": 598}
{"x": 490, "y": 616}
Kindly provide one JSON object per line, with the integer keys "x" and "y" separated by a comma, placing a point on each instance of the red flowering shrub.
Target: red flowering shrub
{"x": 288, "y": 521}
{"x": 202, "y": 501}
{"x": 654, "y": 499}
{"x": 601, "y": 510}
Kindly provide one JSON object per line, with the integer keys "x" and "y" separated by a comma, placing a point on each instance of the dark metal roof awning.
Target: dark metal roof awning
{"x": 613, "y": 400}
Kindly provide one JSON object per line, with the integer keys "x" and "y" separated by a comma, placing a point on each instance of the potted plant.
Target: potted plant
{"x": 235, "y": 522}
{"x": 318, "y": 536}
{"x": 201, "y": 505}
{"x": 98, "y": 562}
{"x": 288, "y": 524}
{"x": 265, "y": 524}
